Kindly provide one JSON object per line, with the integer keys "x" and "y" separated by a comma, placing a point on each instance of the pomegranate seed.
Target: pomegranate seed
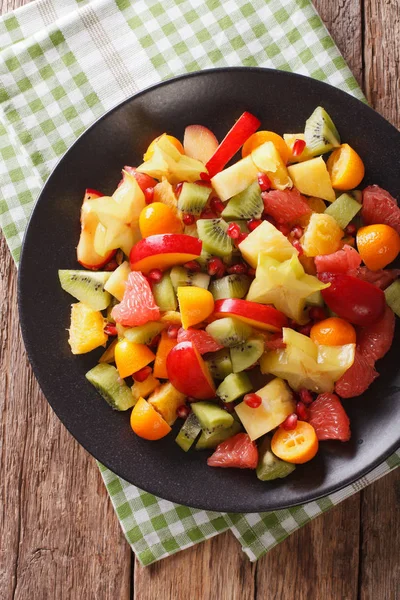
{"x": 297, "y": 232}
{"x": 290, "y": 422}
{"x": 205, "y": 177}
{"x": 142, "y": 374}
{"x": 284, "y": 229}
{"x": 275, "y": 342}
{"x": 228, "y": 406}
{"x": 317, "y": 313}
{"x": 264, "y": 182}
{"x": 178, "y": 189}
{"x": 237, "y": 269}
{"x": 350, "y": 229}
{"x": 301, "y": 411}
{"x": 110, "y": 329}
{"x": 149, "y": 195}
{"x": 155, "y": 341}
{"x": 172, "y": 331}
{"x": 111, "y": 265}
{"x": 215, "y": 267}
{"x": 296, "y": 244}
{"x": 251, "y": 272}
{"x": 241, "y": 237}
{"x": 305, "y": 329}
{"x": 208, "y": 214}
{"x": 253, "y": 224}
{"x": 183, "y": 411}
{"x": 155, "y": 275}
{"x": 306, "y": 396}
{"x": 252, "y": 400}
{"x": 188, "y": 219}
{"x": 298, "y": 147}
{"x": 190, "y": 400}
{"x": 217, "y": 205}
{"x": 233, "y": 231}
{"x": 192, "y": 265}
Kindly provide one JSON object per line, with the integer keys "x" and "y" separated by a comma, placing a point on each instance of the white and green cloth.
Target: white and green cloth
{"x": 63, "y": 64}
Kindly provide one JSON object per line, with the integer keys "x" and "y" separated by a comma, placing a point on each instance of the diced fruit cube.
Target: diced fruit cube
{"x": 164, "y": 294}
{"x": 211, "y": 439}
{"x": 322, "y": 235}
{"x": 86, "y": 330}
{"x": 105, "y": 378}
{"x": 246, "y": 354}
{"x": 234, "y": 386}
{"x": 211, "y": 416}
{"x": 143, "y": 389}
{"x": 180, "y": 276}
{"x": 277, "y": 404}
{"x": 229, "y": 331}
{"x": 131, "y": 357}
{"x": 343, "y": 209}
{"x": 312, "y": 179}
{"x": 235, "y": 179}
{"x": 320, "y": 132}
{"x": 143, "y": 334}
{"x": 164, "y": 348}
{"x": 188, "y": 432}
{"x": 164, "y": 192}
{"x": 269, "y": 466}
{"x": 117, "y": 280}
{"x": 246, "y": 205}
{"x": 193, "y": 198}
{"x": 392, "y": 294}
{"x": 166, "y": 399}
{"x": 230, "y": 286}
{"x": 220, "y": 364}
{"x": 290, "y": 139}
{"x": 268, "y": 160}
{"x": 86, "y": 286}
{"x": 196, "y": 304}
{"x": 266, "y": 238}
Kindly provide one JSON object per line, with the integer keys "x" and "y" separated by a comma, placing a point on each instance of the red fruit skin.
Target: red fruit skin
{"x": 137, "y": 306}
{"x": 244, "y": 127}
{"x": 203, "y": 341}
{"x": 329, "y": 419}
{"x": 187, "y": 372}
{"x": 381, "y": 279}
{"x": 375, "y": 340}
{"x": 262, "y": 315}
{"x": 144, "y": 181}
{"x": 358, "y": 378}
{"x": 350, "y": 298}
{"x": 238, "y": 452}
{"x": 347, "y": 260}
{"x": 165, "y": 243}
{"x": 285, "y": 206}
{"x": 380, "y": 207}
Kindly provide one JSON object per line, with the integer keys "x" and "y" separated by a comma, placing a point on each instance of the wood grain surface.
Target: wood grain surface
{"x": 59, "y": 537}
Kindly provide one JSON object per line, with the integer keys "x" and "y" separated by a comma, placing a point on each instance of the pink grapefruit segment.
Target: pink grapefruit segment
{"x": 137, "y": 306}
{"x": 380, "y": 207}
{"x": 285, "y": 206}
{"x": 374, "y": 341}
{"x": 329, "y": 419}
{"x": 358, "y": 378}
{"x": 346, "y": 260}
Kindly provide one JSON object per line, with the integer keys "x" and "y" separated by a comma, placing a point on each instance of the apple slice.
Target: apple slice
{"x": 86, "y": 253}
{"x": 144, "y": 181}
{"x": 189, "y": 373}
{"x": 163, "y": 251}
{"x": 199, "y": 143}
{"x": 257, "y": 315}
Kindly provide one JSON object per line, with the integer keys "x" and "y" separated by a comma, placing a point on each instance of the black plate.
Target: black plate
{"x": 216, "y": 98}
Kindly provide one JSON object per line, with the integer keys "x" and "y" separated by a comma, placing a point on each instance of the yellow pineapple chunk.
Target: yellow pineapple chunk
{"x": 143, "y": 389}
{"x": 312, "y": 179}
{"x": 290, "y": 139}
{"x": 118, "y": 278}
{"x": 172, "y": 317}
{"x": 235, "y": 179}
{"x": 268, "y": 160}
{"x": 166, "y": 400}
{"x": 322, "y": 235}
{"x": 268, "y": 239}
{"x": 87, "y": 329}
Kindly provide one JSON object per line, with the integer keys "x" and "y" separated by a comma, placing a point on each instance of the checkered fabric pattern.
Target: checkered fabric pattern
{"x": 63, "y": 64}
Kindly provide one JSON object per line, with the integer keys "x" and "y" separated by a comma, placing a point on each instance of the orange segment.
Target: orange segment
{"x": 345, "y": 167}
{"x": 195, "y": 303}
{"x": 159, "y": 218}
{"x": 173, "y": 140}
{"x": 333, "y": 332}
{"x": 162, "y": 261}
{"x": 131, "y": 357}
{"x": 296, "y": 446}
{"x": 147, "y": 423}
{"x": 164, "y": 348}
{"x": 378, "y": 245}
{"x": 260, "y": 137}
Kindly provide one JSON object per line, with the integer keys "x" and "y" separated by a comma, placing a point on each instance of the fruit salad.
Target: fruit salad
{"x": 238, "y": 297}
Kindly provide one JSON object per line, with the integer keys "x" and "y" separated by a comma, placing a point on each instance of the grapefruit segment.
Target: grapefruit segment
{"x": 137, "y": 306}
{"x": 375, "y": 340}
{"x": 357, "y": 378}
{"x": 329, "y": 419}
{"x": 380, "y": 207}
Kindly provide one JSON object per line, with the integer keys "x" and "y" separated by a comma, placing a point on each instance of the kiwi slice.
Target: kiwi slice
{"x": 181, "y": 277}
{"x": 193, "y": 198}
{"x": 229, "y": 331}
{"x": 270, "y": 466}
{"x": 164, "y": 294}
{"x": 110, "y": 386}
{"x": 246, "y": 354}
{"x": 392, "y": 294}
{"x": 144, "y": 334}
{"x": 230, "y": 286}
{"x": 86, "y": 286}
{"x": 188, "y": 432}
{"x": 320, "y": 132}
{"x": 246, "y": 205}
{"x": 220, "y": 363}
{"x": 210, "y": 440}
{"x": 234, "y": 386}
{"x": 343, "y": 209}
{"x": 211, "y": 416}
{"x": 212, "y": 233}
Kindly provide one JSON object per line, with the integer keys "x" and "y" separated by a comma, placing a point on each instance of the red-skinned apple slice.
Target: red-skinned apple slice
{"x": 86, "y": 254}
{"x": 144, "y": 181}
{"x": 188, "y": 372}
{"x": 163, "y": 251}
{"x": 199, "y": 143}
{"x": 258, "y": 315}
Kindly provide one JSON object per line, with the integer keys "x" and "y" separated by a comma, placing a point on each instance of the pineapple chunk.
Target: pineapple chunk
{"x": 322, "y": 235}
{"x": 166, "y": 161}
{"x": 172, "y": 317}
{"x": 166, "y": 400}
{"x": 235, "y": 179}
{"x": 116, "y": 282}
{"x": 268, "y": 239}
{"x": 312, "y": 179}
{"x": 87, "y": 329}
{"x": 290, "y": 139}
{"x": 143, "y": 389}
{"x": 268, "y": 160}
{"x": 277, "y": 404}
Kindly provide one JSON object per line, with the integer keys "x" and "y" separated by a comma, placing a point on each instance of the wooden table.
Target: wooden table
{"x": 59, "y": 536}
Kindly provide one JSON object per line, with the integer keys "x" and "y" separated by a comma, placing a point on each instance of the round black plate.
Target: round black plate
{"x": 216, "y": 98}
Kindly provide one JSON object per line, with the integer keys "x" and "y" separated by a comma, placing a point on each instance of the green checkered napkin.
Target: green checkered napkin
{"x": 63, "y": 64}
